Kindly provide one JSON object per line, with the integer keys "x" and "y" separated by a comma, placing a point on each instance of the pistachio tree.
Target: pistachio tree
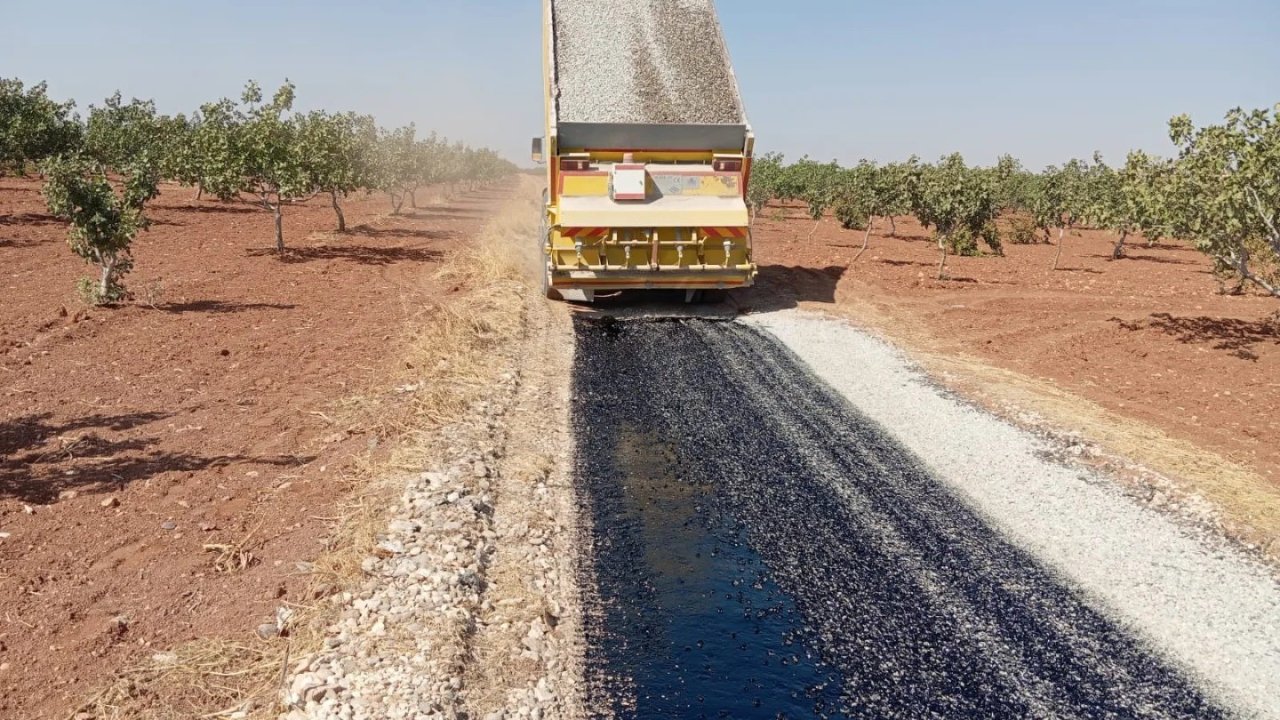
{"x": 868, "y": 191}
{"x": 762, "y": 187}
{"x": 338, "y": 155}
{"x": 396, "y": 164}
{"x": 123, "y": 135}
{"x": 960, "y": 204}
{"x": 33, "y": 126}
{"x": 1060, "y": 200}
{"x": 434, "y": 162}
{"x": 1014, "y": 185}
{"x": 1224, "y": 192}
{"x": 817, "y": 184}
{"x": 856, "y": 203}
{"x": 1136, "y": 202}
{"x": 104, "y": 220}
{"x": 889, "y": 187}
{"x": 253, "y": 148}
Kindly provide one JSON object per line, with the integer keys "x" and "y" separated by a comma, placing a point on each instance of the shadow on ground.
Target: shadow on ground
{"x": 401, "y": 233}
{"x": 361, "y": 254}
{"x": 219, "y": 307}
{"x": 37, "y": 453}
{"x": 1232, "y": 334}
{"x": 777, "y": 287}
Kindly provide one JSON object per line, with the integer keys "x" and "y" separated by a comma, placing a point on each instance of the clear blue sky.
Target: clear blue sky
{"x": 1042, "y": 80}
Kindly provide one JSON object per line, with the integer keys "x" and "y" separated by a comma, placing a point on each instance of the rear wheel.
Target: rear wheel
{"x": 544, "y": 237}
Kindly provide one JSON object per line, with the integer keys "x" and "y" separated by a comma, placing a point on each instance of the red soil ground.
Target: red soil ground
{"x": 1148, "y": 337}
{"x": 132, "y": 436}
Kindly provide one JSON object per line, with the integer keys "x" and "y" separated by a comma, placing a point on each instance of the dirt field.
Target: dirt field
{"x": 207, "y": 411}
{"x": 1147, "y": 337}
{"x": 202, "y": 413}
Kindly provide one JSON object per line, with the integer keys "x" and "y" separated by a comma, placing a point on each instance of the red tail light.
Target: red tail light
{"x": 727, "y": 165}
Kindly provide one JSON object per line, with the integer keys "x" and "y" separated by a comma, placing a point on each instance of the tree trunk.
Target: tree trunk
{"x": 279, "y": 213}
{"x": 397, "y": 202}
{"x": 816, "y": 224}
{"x": 199, "y": 191}
{"x": 413, "y": 198}
{"x": 866, "y": 239}
{"x": 1118, "y": 251}
{"x": 1242, "y": 267}
{"x": 105, "y": 281}
{"x": 342, "y": 219}
{"x": 893, "y": 227}
{"x": 1058, "y": 255}
{"x": 944, "y": 242}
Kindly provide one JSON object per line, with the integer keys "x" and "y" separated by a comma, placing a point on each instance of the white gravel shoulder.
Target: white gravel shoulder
{"x": 1206, "y": 606}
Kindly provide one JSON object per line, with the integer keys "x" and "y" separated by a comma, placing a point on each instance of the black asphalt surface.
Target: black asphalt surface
{"x": 760, "y": 550}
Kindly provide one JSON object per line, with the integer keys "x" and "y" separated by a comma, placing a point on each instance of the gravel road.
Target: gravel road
{"x": 766, "y": 542}
{"x": 650, "y": 61}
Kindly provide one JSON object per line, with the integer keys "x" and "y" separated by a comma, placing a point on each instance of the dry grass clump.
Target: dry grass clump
{"x": 451, "y": 356}
{"x": 203, "y": 678}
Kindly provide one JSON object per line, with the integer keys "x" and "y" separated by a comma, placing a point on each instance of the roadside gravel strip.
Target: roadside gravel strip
{"x": 763, "y": 543}
{"x": 1212, "y": 611}
{"x": 649, "y": 61}
{"x": 467, "y": 608}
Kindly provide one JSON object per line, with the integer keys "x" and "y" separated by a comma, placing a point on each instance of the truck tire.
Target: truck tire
{"x": 543, "y": 236}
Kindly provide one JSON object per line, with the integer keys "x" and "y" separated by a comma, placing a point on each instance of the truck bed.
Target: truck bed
{"x": 642, "y": 63}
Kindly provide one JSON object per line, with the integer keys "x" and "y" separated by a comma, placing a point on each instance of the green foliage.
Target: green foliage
{"x": 1023, "y": 231}
{"x": 964, "y": 243}
{"x": 1060, "y": 198}
{"x": 104, "y": 221}
{"x": 817, "y": 184}
{"x": 955, "y": 199}
{"x": 890, "y": 185}
{"x": 1130, "y": 199}
{"x": 397, "y": 164}
{"x": 852, "y": 214}
{"x": 766, "y": 175}
{"x": 253, "y": 147}
{"x": 34, "y": 127}
{"x": 855, "y": 196}
{"x": 128, "y": 135}
{"x": 338, "y": 153}
{"x": 1014, "y": 185}
{"x": 229, "y": 148}
{"x": 1224, "y": 190}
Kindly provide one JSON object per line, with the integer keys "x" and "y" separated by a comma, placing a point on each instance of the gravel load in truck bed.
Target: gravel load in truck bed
{"x": 647, "y": 61}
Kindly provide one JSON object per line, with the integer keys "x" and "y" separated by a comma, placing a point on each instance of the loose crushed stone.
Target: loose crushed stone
{"x": 648, "y": 61}
{"x": 1201, "y": 603}
{"x": 746, "y": 514}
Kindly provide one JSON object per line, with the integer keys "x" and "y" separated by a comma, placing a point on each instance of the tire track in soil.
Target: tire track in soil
{"x": 758, "y": 549}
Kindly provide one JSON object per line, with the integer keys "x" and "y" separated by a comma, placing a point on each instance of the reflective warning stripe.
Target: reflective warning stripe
{"x": 587, "y": 233}
{"x": 724, "y": 233}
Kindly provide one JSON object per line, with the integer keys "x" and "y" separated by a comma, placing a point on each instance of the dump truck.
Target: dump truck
{"x": 647, "y": 151}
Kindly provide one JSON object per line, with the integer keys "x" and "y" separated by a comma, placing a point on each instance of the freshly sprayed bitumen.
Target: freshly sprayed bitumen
{"x": 759, "y": 549}
{"x": 646, "y": 61}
